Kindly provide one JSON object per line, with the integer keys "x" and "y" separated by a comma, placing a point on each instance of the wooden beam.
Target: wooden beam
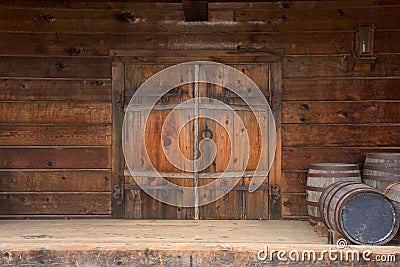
{"x": 195, "y": 10}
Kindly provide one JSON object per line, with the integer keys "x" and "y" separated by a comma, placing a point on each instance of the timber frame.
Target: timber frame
{"x": 120, "y": 57}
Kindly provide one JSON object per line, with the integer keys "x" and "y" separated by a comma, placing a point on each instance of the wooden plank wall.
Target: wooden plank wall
{"x": 55, "y": 84}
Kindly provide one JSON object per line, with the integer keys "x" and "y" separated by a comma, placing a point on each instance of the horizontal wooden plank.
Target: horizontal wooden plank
{"x": 54, "y": 217}
{"x": 172, "y": 20}
{"x": 337, "y": 66}
{"x": 181, "y": 56}
{"x": 165, "y": 4}
{"x": 55, "y": 181}
{"x": 294, "y": 182}
{"x": 324, "y": 19}
{"x": 55, "y": 203}
{"x": 301, "y": 158}
{"x": 213, "y": 4}
{"x": 55, "y": 158}
{"x": 102, "y": 21}
{"x": 99, "y": 44}
{"x": 55, "y": 67}
{"x": 294, "y": 205}
{"x": 55, "y": 112}
{"x": 55, "y": 90}
{"x": 76, "y": 135}
{"x": 341, "y": 135}
{"x": 341, "y": 89}
{"x": 341, "y": 112}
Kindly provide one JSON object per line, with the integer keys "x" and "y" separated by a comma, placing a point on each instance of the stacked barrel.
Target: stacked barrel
{"x": 363, "y": 213}
{"x": 320, "y": 176}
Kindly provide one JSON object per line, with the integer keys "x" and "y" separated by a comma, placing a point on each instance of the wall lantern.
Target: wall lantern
{"x": 364, "y": 57}
{"x": 365, "y": 41}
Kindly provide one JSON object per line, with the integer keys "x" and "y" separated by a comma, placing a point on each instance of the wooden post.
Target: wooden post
{"x": 117, "y": 158}
{"x": 275, "y": 209}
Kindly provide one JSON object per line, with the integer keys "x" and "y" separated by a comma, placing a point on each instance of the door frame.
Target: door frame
{"x": 122, "y": 57}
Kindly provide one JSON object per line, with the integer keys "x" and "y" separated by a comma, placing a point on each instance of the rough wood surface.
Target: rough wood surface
{"x": 55, "y": 112}
{"x": 294, "y": 181}
{"x": 34, "y": 180}
{"x": 266, "y": 20}
{"x": 55, "y": 203}
{"x": 82, "y": 135}
{"x": 337, "y": 66}
{"x": 55, "y": 67}
{"x": 98, "y": 44}
{"x": 56, "y": 54}
{"x": 55, "y": 90}
{"x": 294, "y": 204}
{"x": 214, "y": 4}
{"x": 340, "y": 135}
{"x": 236, "y": 204}
{"x": 341, "y": 112}
{"x": 341, "y": 89}
{"x": 55, "y": 158}
{"x": 164, "y": 243}
{"x": 306, "y": 156}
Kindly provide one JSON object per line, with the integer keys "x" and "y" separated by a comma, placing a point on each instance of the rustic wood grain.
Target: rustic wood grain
{"x": 324, "y": 19}
{"x": 82, "y": 135}
{"x": 266, "y": 20}
{"x": 55, "y": 67}
{"x": 55, "y": 112}
{"x": 217, "y": 5}
{"x": 55, "y": 158}
{"x": 294, "y": 182}
{"x": 294, "y": 205}
{"x": 59, "y": 52}
{"x": 96, "y": 44}
{"x": 181, "y": 56}
{"x": 337, "y": 66}
{"x": 341, "y": 135}
{"x": 341, "y": 89}
{"x": 55, "y": 90}
{"x": 55, "y": 203}
{"x": 275, "y": 177}
{"x": 117, "y": 159}
{"x": 301, "y": 158}
{"x": 341, "y": 112}
{"x": 236, "y": 204}
{"x": 54, "y": 181}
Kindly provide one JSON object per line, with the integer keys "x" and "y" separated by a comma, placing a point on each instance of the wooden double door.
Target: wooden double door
{"x": 131, "y": 202}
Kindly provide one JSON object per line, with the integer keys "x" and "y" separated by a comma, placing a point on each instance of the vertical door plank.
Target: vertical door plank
{"x": 133, "y": 199}
{"x": 276, "y": 105}
{"x": 117, "y": 157}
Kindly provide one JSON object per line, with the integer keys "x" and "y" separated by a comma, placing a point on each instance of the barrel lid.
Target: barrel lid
{"x": 369, "y": 218}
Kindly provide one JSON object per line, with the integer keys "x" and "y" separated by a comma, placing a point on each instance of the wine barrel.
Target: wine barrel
{"x": 361, "y": 213}
{"x": 392, "y": 192}
{"x": 321, "y": 175}
{"x": 381, "y": 169}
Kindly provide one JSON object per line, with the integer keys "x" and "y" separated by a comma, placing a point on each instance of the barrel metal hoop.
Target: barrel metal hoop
{"x": 334, "y": 175}
{"x": 383, "y": 156}
{"x": 382, "y": 164}
{"x": 335, "y": 188}
{"x": 381, "y": 178}
{"x": 382, "y": 169}
{"x": 312, "y": 203}
{"x": 317, "y": 166}
{"x": 315, "y": 188}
